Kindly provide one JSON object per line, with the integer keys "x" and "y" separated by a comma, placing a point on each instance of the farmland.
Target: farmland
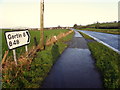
{"x": 111, "y": 31}
{"x": 34, "y": 34}
{"x": 31, "y": 71}
{"x": 108, "y": 27}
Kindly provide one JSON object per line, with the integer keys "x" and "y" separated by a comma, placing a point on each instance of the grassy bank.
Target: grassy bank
{"x": 105, "y": 25}
{"x": 19, "y": 51}
{"x": 107, "y": 61}
{"x": 110, "y": 31}
{"x": 32, "y": 76}
{"x": 86, "y": 36}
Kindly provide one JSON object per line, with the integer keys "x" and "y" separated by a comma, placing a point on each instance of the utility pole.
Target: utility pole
{"x": 42, "y": 24}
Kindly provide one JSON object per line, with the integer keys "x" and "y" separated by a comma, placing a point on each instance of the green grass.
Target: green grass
{"x": 108, "y": 63}
{"x": 86, "y": 36}
{"x": 39, "y": 68}
{"x": 111, "y": 31}
{"x": 109, "y": 24}
{"x": 33, "y": 34}
{"x": 108, "y": 27}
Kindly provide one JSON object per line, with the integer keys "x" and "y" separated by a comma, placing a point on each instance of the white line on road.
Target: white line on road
{"x": 104, "y": 44}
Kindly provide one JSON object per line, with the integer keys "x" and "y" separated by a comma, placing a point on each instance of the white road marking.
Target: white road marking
{"x": 104, "y": 44}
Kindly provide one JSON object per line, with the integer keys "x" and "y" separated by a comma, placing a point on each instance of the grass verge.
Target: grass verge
{"x": 108, "y": 62}
{"x": 86, "y": 36}
{"x": 34, "y": 76}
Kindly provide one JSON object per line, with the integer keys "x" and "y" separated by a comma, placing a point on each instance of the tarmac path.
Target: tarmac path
{"x": 74, "y": 68}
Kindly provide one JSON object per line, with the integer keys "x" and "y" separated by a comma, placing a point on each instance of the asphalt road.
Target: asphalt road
{"x": 110, "y": 39}
{"x": 75, "y": 68}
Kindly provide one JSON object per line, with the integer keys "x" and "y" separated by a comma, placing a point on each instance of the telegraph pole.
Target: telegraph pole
{"x": 42, "y": 24}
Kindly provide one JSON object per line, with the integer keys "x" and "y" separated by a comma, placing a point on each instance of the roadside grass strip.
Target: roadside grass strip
{"x": 103, "y": 43}
{"x": 86, "y": 36}
{"x": 107, "y": 62}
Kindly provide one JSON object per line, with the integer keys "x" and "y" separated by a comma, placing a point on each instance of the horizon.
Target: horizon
{"x": 53, "y": 26}
{"x": 66, "y": 13}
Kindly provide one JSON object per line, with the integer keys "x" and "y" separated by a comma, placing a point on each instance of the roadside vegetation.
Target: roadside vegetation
{"x": 33, "y": 34}
{"x": 30, "y": 73}
{"x": 110, "y": 31}
{"x": 86, "y": 36}
{"x": 107, "y": 61}
{"x": 108, "y": 27}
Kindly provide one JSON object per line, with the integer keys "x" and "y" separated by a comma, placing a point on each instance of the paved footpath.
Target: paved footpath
{"x": 75, "y": 68}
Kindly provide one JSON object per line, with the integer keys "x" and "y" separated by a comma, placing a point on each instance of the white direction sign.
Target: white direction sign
{"x": 17, "y": 38}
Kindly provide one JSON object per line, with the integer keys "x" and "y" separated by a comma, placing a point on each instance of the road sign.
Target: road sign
{"x": 17, "y": 39}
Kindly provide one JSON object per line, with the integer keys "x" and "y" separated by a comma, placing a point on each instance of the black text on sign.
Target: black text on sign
{"x": 17, "y": 38}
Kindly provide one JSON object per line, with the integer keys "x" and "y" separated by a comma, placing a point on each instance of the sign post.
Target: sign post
{"x": 26, "y": 48}
{"x": 16, "y": 39}
{"x": 14, "y": 54}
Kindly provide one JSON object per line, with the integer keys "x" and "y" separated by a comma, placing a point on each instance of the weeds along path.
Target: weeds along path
{"x": 107, "y": 61}
{"x": 75, "y": 68}
{"x": 35, "y": 34}
{"x": 33, "y": 67}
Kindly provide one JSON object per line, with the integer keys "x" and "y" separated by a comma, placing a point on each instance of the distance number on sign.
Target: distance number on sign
{"x": 15, "y": 42}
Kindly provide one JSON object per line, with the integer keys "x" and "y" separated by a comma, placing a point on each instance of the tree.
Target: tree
{"x": 75, "y": 25}
{"x": 118, "y": 24}
{"x": 97, "y": 25}
{"x": 59, "y": 26}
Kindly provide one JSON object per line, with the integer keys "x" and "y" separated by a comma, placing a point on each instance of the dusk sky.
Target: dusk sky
{"x": 26, "y": 13}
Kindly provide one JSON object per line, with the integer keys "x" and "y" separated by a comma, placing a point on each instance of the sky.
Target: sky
{"x": 26, "y": 13}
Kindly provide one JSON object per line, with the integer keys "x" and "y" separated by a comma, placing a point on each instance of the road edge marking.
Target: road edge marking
{"x": 103, "y": 43}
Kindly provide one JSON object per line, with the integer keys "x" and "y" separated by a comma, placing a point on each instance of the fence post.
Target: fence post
{"x": 5, "y": 55}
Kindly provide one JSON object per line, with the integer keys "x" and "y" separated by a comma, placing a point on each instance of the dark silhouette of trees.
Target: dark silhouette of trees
{"x": 75, "y": 26}
{"x": 97, "y": 25}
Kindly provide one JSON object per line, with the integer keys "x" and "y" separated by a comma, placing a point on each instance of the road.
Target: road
{"x": 110, "y": 39}
{"x": 75, "y": 68}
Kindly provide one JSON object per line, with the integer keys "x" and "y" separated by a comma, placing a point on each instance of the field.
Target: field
{"x": 108, "y": 27}
{"x": 111, "y": 31}
{"x": 19, "y": 51}
{"x": 32, "y": 75}
{"x": 107, "y": 62}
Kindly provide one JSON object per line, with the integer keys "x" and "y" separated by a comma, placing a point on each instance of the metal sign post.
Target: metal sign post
{"x": 16, "y": 39}
{"x": 14, "y": 54}
{"x": 26, "y": 48}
